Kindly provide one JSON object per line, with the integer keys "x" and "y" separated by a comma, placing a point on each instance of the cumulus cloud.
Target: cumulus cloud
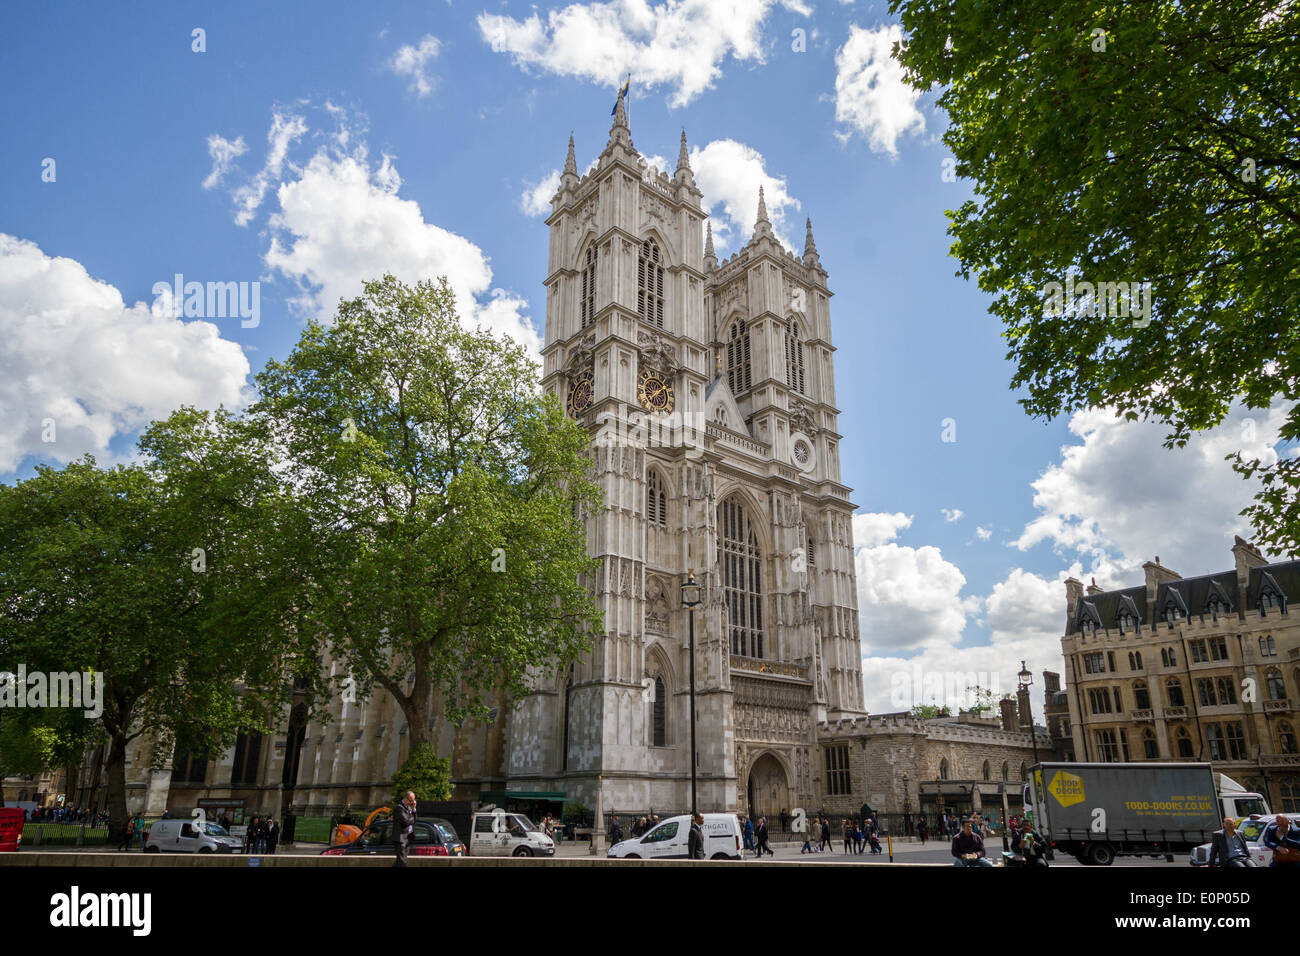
{"x": 680, "y": 44}
{"x": 983, "y": 533}
{"x": 729, "y": 174}
{"x": 1120, "y": 497}
{"x": 223, "y": 153}
{"x": 411, "y": 62}
{"x": 80, "y": 367}
{"x": 951, "y": 515}
{"x": 872, "y": 99}
{"x": 536, "y": 197}
{"x": 871, "y": 530}
{"x": 339, "y": 221}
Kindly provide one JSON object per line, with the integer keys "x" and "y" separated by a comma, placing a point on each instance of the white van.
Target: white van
{"x": 498, "y": 833}
{"x": 668, "y": 840}
{"x": 189, "y": 836}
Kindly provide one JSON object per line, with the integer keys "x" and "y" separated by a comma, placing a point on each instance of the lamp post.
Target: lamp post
{"x": 1026, "y": 678}
{"x": 690, "y": 598}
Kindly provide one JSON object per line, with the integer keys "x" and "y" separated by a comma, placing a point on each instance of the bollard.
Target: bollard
{"x": 890, "y": 838}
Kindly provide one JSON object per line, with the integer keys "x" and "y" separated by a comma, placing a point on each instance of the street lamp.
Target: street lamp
{"x": 1026, "y": 678}
{"x": 690, "y": 598}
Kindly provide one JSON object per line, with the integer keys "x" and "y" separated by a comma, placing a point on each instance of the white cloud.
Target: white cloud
{"x": 871, "y": 96}
{"x": 340, "y": 222}
{"x": 872, "y": 530}
{"x": 983, "y": 533}
{"x": 729, "y": 174}
{"x": 909, "y": 598}
{"x": 1122, "y": 498}
{"x": 285, "y": 131}
{"x": 410, "y": 62}
{"x": 536, "y": 197}
{"x": 680, "y": 44}
{"x": 951, "y": 515}
{"x": 223, "y": 153}
{"x": 77, "y": 355}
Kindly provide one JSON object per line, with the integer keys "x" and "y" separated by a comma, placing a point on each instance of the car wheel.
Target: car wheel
{"x": 719, "y": 856}
{"x": 523, "y": 851}
{"x": 205, "y": 849}
{"x": 632, "y": 856}
{"x": 1101, "y": 854}
{"x": 151, "y": 849}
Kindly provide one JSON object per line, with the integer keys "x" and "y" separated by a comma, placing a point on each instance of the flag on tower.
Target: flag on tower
{"x": 622, "y": 92}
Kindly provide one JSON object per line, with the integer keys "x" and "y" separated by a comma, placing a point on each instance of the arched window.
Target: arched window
{"x": 742, "y": 579}
{"x": 656, "y": 503}
{"x": 1286, "y": 738}
{"x": 658, "y": 717}
{"x": 1149, "y": 745}
{"x": 587, "y": 303}
{"x": 738, "y": 374}
{"x": 943, "y": 769}
{"x": 720, "y": 415}
{"x": 568, "y": 690}
{"x": 1024, "y": 772}
{"x": 1141, "y": 697}
{"x": 1005, "y": 771}
{"x": 794, "y": 358}
{"x": 650, "y": 284}
{"x": 1290, "y": 791}
{"x": 1276, "y": 685}
{"x": 1184, "y": 743}
{"x": 985, "y": 770}
{"x": 1174, "y": 691}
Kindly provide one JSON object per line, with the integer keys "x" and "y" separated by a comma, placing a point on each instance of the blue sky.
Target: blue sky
{"x": 309, "y": 147}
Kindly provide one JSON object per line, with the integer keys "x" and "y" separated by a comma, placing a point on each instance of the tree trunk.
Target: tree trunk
{"x": 115, "y": 769}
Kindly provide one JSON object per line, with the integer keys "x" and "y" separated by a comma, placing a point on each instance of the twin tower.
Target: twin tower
{"x": 709, "y": 391}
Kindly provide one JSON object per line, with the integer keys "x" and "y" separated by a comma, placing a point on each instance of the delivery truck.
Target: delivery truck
{"x": 1097, "y": 811}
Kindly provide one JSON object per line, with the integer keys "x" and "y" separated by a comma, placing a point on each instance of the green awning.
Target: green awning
{"x": 501, "y": 796}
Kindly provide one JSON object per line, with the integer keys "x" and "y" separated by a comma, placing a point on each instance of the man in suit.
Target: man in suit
{"x": 404, "y": 827}
{"x": 1228, "y": 847}
{"x": 1281, "y": 835}
{"x": 695, "y": 839}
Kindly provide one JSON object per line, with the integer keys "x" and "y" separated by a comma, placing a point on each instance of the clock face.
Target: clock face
{"x": 580, "y": 394}
{"x": 654, "y": 393}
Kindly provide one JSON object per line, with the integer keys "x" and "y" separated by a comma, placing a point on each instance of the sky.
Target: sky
{"x": 299, "y": 150}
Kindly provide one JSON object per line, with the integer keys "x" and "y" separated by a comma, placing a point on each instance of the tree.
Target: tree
{"x": 929, "y": 711}
{"x": 155, "y": 579}
{"x": 1144, "y": 142}
{"x": 424, "y": 773}
{"x": 443, "y": 497}
{"x": 983, "y": 698}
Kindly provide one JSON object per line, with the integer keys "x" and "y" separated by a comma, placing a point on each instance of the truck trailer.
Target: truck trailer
{"x": 1097, "y": 811}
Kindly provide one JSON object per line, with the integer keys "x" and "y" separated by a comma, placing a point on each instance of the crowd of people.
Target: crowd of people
{"x": 93, "y": 818}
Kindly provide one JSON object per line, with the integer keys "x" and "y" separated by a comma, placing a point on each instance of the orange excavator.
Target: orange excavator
{"x": 347, "y": 832}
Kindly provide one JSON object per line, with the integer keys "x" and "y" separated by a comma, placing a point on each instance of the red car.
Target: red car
{"x": 433, "y": 837}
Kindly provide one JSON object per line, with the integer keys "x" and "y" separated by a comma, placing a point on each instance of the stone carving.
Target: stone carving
{"x": 802, "y": 420}
{"x": 733, "y": 296}
{"x": 653, "y": 208}
{"x": 655, "y": 353}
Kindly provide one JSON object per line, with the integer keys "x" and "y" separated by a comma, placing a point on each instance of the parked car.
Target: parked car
{"x": 499, "y": 833}
{"x": 432, "y": 837}
{"x": 1252, "y": 828}
{"x": 668, "y": 840}
{"x": 189, "y": 836}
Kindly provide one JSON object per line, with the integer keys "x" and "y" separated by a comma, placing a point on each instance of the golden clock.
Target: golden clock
{"x": 654, "y": 393}
{"x": 580, "y": 394}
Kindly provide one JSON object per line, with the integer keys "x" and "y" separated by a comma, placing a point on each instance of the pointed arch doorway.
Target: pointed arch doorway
{"x": 769, "y": 787}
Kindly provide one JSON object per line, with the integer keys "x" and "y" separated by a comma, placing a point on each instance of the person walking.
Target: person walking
{"x": 968, "y": 848}
{"x": 825, "y": 843}
{"x": 272, "y": 836}
{"x": 761, "y": 837}
{"x": 749, "y": 833}
{"x": 615, "y": 831}
{"x": 785, "y": 821}
{"x": 1283, "y": 838}
{"x": 695, "y": 839}
{"x": 1227, "y": 846}
{"x": 250, "y": 835}
{"x": 807, "y": 836}
{"x": 922, "y": 830}
{"x": 848, "y": 836}
{"x": 127, "y": 836}
{"x": 404, "y": 826}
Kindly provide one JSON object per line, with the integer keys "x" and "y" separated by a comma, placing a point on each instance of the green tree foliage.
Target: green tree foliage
{"x": 1146, "y": 141}
{"x": 929, "y": 711}
{"x": 443, "y": 497}
{"x": 425, "y": 773}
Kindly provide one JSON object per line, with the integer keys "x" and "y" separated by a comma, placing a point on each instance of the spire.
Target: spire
{"x": 619, "y": 132}
{"x": 810, "y": 257}
{"x": 683, "y": 157}
{"x": 710, "y": 259}
{"x": 570, "y": 164}
{"x": 762, "y": 227}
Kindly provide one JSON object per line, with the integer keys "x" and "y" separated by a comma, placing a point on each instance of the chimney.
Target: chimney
{"x": 1246, "y": 556}
{"x": 1073, "y": 591}
{"x": 1024, "y": 715}
{"x": 1051, "y": 684}
{"x": 1156, "y": 574}
{"x": 1093, "y": 589}
{"x": 1008, "y": 708}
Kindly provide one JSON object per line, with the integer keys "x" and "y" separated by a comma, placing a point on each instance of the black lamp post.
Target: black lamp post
{"x": 1026, "y": 678}
{"x": 690, "y": 598}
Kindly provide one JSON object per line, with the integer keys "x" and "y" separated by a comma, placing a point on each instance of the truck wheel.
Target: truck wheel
{"x": 1101, "y": 854}
{"x": 523, "y": 851}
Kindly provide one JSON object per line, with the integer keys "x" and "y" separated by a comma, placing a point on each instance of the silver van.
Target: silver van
{"x": 189, "y": 836}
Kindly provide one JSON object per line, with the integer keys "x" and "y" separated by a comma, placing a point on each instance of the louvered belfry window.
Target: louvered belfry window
{"x": 794, "y": 374}
{"x": 738, "y": 359}
{"x": 656, "y": 502}
{"x": 742, "y": 578}
{"x": 659, "y": 722}
{"x": 587, "y": 306}
{"x": 650, "y": 284}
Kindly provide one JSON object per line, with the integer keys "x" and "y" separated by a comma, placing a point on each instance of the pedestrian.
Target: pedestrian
{"x": 404, "y": 826}
{"x": 922, "y": 830}
{"x": 968, "y": 848}
{"x": 825, "y": 843}
{"x": 848, "y": 836}
{"x": 140, "y": 832}
{"x": 272, "y": 836}
{"x": 785, "y": 821}
{"x": 1283, "y": 839}
{"x": 749, "y": 833}
{"x": 695, "y": 839}
{"x": 126, "y": 837}
{"x": 250, "y": 834}
{"x": 615, "y": 831}
{"x": 761, "y": 837}
{"x": 807, "y": 836}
